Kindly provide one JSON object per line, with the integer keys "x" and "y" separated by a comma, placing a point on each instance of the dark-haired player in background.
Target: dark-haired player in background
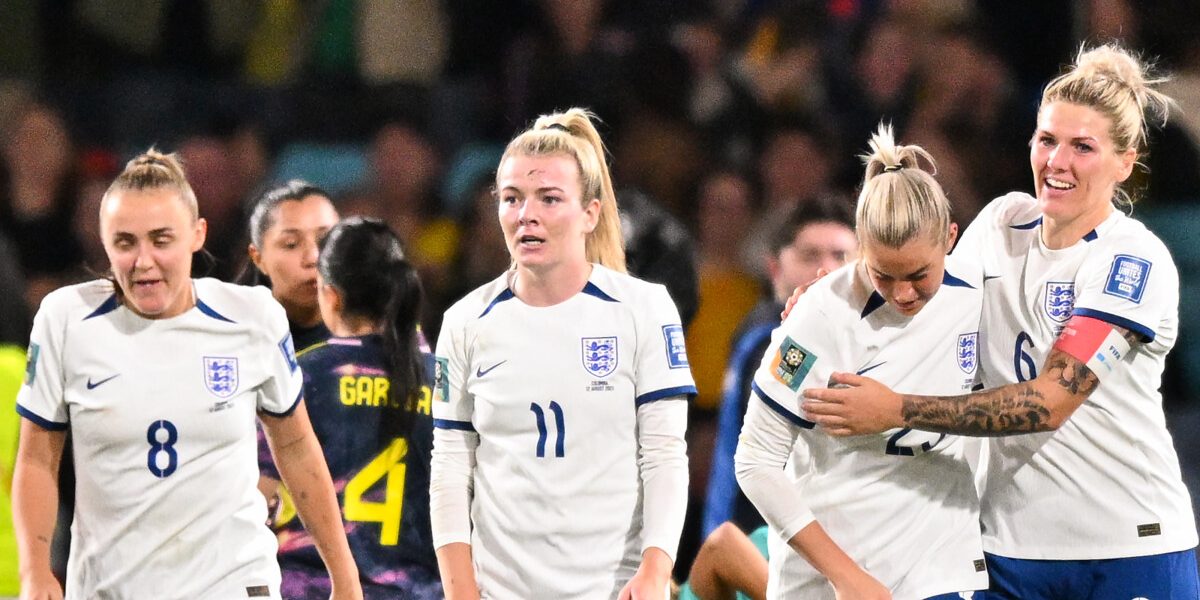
{"x": 370, "y": 404}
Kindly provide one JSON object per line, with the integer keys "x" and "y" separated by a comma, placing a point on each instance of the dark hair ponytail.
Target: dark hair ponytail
{"x": 363, "y": 259}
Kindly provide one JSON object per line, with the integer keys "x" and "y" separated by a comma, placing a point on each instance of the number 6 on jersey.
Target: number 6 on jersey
{"x": 559, "y": 425}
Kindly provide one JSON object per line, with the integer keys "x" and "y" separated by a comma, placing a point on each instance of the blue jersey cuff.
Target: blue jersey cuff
{"x": 684, "y": 390}
{"x": 290, "y": 409}
{"x": 777, "y": 407}
{"x": 1144, "y": 332}
{"x": 456, "y": 425}
{"x": 39, "y": 421}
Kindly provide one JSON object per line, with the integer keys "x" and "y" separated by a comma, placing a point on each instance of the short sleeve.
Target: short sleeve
{"x": 282, "y": 389}
{"x": 662, "y": 362}
{"x": 40, "y": 398}
{"x": 1130, "y": 282}
{"x": 453, "y": 406}
{"x": 800, "y": 355}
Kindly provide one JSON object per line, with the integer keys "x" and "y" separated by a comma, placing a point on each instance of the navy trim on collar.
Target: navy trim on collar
{"x": 1090, "y": 237}
{"x": 873, "y": 303}
{"x": 948, "y": 279}
{"x": 208, "y": 310}
{"x": 109, "y": 305}
{"x": 591, "y": 290}
{"x": 507, "y": 294}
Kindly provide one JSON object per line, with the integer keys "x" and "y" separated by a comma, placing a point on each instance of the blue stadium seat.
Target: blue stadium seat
{"x": 337, "y": 168}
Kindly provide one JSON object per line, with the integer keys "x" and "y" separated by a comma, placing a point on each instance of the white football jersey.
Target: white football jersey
{"x": 553, "y": 393}
{"x": 901, "y": 503}
{"x": 162, "y": 413}
{"x": 1107, "y": 483}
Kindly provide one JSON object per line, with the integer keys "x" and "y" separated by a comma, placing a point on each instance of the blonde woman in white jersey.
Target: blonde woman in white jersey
{"x": 159, "y": 376}
{"x": 1080, "y": 310}
{"x": 559, "y": 463}
{"x": 893, "y": 514}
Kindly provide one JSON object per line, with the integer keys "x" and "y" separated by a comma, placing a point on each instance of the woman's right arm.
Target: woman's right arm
{"x": 450, "y": 487}
{"x": 35, "y": 508}
{"x": 458, "y": 572}
{"x": 452, "y": 472}
{"x": 763, "y": 450}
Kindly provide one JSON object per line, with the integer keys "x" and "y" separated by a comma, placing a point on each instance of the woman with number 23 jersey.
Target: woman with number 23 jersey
{"x": 559, "y": 466}
{"x": 895, "y": 514}
{"x": 370, "y": 404}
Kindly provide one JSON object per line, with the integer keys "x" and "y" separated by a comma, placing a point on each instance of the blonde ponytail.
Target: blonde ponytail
{"x": 900, "y": 199}
{"x": 574, "y": 134}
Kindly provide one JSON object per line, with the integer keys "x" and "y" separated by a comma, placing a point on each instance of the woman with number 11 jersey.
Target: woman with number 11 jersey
{"x": 559, "y": 464}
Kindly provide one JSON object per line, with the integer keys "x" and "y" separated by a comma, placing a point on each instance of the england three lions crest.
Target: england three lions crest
{"x": 968, "y": 352}
{"x": 221, "y": 375}
{"x": 1060, "y": 300}
{"x": 600, "y": 355}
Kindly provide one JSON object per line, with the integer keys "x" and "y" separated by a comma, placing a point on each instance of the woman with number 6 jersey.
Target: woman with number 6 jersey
{"x": 159, "y": 377}
{"x": 559, "y": 464}
{"x": 369, "y": 399}
{"x": 1080, "y": 310}
{"x": 894, "y": 514}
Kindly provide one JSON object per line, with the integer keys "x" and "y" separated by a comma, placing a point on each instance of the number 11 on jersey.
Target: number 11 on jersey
{"x": 559, "y": 426}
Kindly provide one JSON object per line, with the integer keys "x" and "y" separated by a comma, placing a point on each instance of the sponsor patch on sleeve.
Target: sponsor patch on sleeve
{"x": 676, "y": 350}
{"x": 441, "y": 379}
{"x": 792, "y": 363}
{"x": 289, "y": 352}
{"x": 1127, "y": 277}
{"x": 31, "y": 363}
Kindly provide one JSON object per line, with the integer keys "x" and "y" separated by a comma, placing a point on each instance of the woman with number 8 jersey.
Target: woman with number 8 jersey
{"x": 1080, "y": 310}
{"x": 159, "y": 377}
{"x": 559, "y": 466}
{"x": 369, "y": 398}
{"x": 893, "y": 514}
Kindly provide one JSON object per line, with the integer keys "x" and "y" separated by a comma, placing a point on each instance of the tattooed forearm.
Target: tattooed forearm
{"x": 1011, "y": 409}
{"x": 1071, "y": 375}
{"x": 1042, "y": 404}
{"x": 1007, "y": 410}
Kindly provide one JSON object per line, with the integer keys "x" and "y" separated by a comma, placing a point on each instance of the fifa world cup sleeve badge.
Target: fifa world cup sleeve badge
{"x": 31, "y": 363}
{"x": 792, "y": 363}
{"x": 441, "y": 380}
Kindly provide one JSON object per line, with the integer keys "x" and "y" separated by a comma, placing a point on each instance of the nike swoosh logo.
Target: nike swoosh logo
{"x": 93, "y": 385}
{"x": 480, "y": 372}
{"x": 871, "y": 367}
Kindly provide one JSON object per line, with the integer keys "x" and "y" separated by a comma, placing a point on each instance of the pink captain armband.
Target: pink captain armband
{"x": 1093, "y": 342}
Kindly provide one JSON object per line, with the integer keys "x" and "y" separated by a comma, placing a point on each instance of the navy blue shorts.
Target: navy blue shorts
{"x": 1169, "y": 576}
